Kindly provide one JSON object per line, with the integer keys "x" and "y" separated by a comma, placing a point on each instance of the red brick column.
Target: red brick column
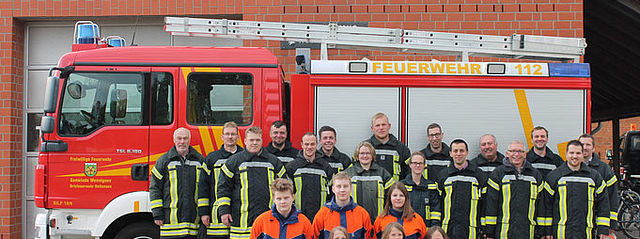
{"x": 11, "y": 115}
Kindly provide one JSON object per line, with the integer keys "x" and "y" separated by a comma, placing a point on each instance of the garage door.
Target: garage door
{"x": 46, "y": 42}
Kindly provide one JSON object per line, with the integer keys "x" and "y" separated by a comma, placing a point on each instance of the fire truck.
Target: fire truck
{"x": 110, "y": 111}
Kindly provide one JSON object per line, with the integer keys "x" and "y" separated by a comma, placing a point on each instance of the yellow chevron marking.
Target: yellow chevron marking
{"x": 217, "y": 135}
{"x": 185, "y": 73}
{"x": 562, "y": 150}
{"x": 205, "y": 136}
{"x": 525, "y": 115}
{"x": 136, "y": 160}
{"x": 207, "y": 69}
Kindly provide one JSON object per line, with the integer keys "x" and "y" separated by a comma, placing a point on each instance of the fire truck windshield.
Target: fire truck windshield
{"x": 93, "y": 100}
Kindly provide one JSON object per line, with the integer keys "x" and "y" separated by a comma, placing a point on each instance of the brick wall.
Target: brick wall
{"x": 603, "y": 137}
{"x": 496, "y": 17}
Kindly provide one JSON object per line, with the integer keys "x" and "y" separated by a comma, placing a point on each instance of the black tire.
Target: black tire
{"x": 629, "y": 220}
{"x": 139, "y": 230}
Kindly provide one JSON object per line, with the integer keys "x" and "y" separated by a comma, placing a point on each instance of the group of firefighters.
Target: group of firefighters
{"x": 281, "y": 192}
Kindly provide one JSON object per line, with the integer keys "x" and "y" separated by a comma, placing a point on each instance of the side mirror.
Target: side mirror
{"x": 51, "y": 94}
{"x": 118, "y": 103}
{"x": 47, "y": 123}
{"x": 75, "y": 90}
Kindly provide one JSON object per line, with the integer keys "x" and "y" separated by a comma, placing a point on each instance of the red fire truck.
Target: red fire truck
{"x": 110, "y": 111}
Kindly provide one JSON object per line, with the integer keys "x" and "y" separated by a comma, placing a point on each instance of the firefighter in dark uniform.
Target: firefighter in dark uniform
{"x": 540, "y": 156}
{"x": 513, "y": 196}
{"x": 391, "y": 154}
{"x": 423, "y": 193}
{"x": 174, "y": 187}
{"x": 337, "y": 160}
{"x": 461, "y": 186}
{"x": 592, "y": 160}
{"x": 489, "y": 158}
{"x": 243, "y": 186}
{"x": 436, "y": 152}
{"x": 279, "y": 146}
{"x": 209, "y": 175}
{"x": 311, "y": 175}
{"x": 576, "y": 201}
{"x": 370, "y": 181}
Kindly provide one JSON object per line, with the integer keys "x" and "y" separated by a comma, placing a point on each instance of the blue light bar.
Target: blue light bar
{"x": 569, "y": 69}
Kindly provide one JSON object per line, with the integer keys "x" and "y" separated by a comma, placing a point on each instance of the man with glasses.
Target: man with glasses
{"x": 436, "y": 152}
{"x": 207, "y": 194}
{"x": 512, "y": 196}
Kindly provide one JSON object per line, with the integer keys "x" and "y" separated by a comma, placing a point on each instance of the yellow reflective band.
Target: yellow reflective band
{"x": 506, "y": 201}
{"x": 432, "y": 186}
{"x": 354, "y": 192}
{"x": 390, "y": 182}
{"x": 324, "y": 189}
{"x": 156, "y": 173}
{"x": 447, "y": 206}
{"x": 533, "y": 195}
{"x": 409, "y": 188}
{"x": 484, "y": 190}
{"x": 173, "y": 205}
{"x": 473, "y": 214}
{"x": 613, "y": 216}
{"x": 203, "y": 202}
{"x": 298, "y": 187}
{"x": 601, "y": 188}
{"x": 179, "y": 226}
{"x": 206, "y": 170}
{"x": 590, "y": 213}
{"x": 396, "y": 167}
{"x": 244, "y": 199}
{"x": 562, "y": 208}
{"x": 491, "y": 220}
{"x": 602, "y": 221}
{"x": 195, "y": 193}
{"x": 226, "y": 171}
{"x": 240, "y": 230}
{"x": 271, "y": 178}
{"x": 548, "y": 188}
{"x": 282, "y": 172}
{"x": 380, "y": 196}
{"x": 216, "y": 175}
{"x": 493, "y": 185}
{"x": 612, "y": 180}
{"x": 435, "y": 216}
{"x": 223, "y": 201}
{"x": 156, "y": 203}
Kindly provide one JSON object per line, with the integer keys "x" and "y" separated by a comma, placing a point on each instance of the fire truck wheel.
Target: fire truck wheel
{"x": 139, "y": 230}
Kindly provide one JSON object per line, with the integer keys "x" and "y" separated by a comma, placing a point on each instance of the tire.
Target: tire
{"x": 139, "y": 230}
{"x": 629, "y": 220}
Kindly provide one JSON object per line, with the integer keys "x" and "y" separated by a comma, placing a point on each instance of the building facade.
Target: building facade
{"x": 35, "y": 33}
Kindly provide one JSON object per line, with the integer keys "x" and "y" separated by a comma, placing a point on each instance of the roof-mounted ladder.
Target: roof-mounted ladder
{"x": 517, "y": 46}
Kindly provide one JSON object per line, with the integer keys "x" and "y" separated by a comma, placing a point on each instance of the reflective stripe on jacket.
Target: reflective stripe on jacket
{"x": 173, "y": 192}
{"x": 513, "y": 201}
{"x": 243, "y": 189}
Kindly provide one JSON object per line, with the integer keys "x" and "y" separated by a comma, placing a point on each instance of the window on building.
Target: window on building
{"x": 215, "y": 98}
